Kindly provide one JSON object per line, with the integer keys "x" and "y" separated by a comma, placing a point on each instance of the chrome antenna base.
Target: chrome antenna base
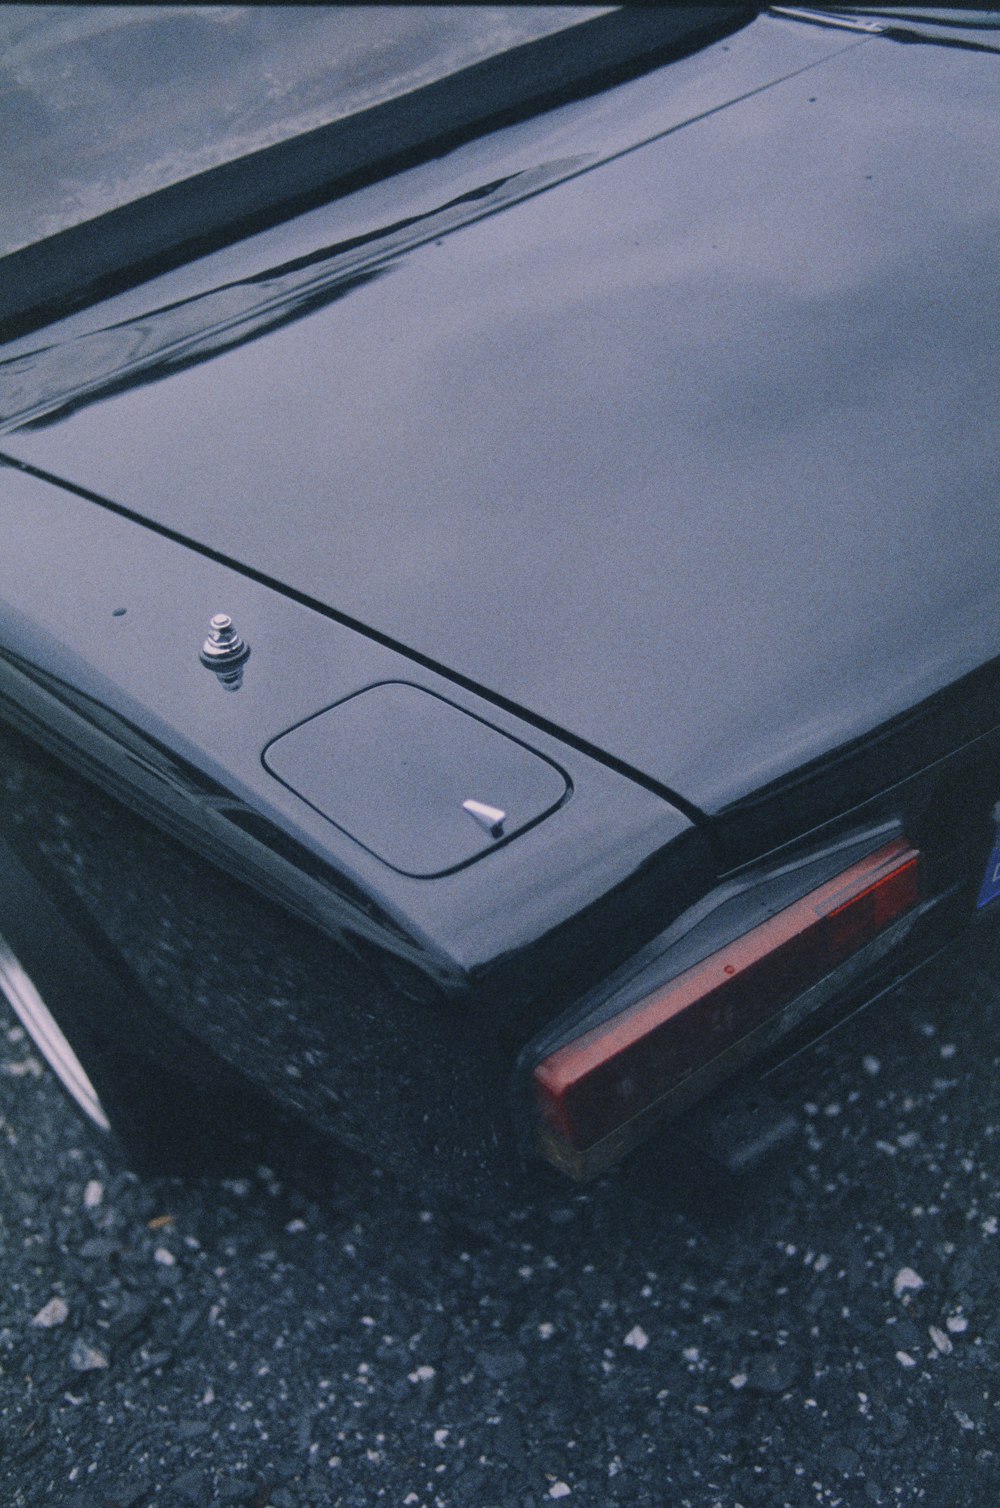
{"x": 223, "y": 647}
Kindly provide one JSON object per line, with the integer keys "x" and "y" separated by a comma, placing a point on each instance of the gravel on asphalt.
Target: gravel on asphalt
{"x": 823, "y": 1330}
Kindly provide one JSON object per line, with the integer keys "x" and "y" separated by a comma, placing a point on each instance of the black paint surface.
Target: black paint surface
{"x": 693, "y": 455}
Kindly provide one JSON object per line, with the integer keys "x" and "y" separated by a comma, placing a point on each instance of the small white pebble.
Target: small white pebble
{"x": 821, "y": 1263}
{"x": 546, "y": 1330}
{"x": 637, "y": 1339}
{"x": 93, "y": 1194}
{"x": 905, "y": 1359}
{"x": 738, "y": 1380}
{"x": 906, "y": 1281}
{"x": 164, "y": 1257}
{"x": 440, "y": 1436}
{"x": 691, "y": 1353}
{"x": 208, "y": 1396}
{"x": 871, "y": 1065}
{"x": 52, "y": 1313}
{"x": 940, "y": 1340}
{"x": 84, "y": 1358}
{"x": 957, "y": 1323}
{"x": 30, "y": 1067}
{"x": 989, "y": 1226}
{"x": 295, "y": 1227}
{"x": 948, "y": 1049}
{"x": 560, "y": 1490}
{"x": 421, "y": 1374}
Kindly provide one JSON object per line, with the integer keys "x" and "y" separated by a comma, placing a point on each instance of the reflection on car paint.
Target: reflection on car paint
{"x": 55, "y": 380}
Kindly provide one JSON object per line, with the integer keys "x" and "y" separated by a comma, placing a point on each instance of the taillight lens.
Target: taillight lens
{"x": 587, "y": 1090}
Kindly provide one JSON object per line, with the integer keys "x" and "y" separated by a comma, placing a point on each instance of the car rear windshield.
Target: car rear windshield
{"x": 103, "y": 105}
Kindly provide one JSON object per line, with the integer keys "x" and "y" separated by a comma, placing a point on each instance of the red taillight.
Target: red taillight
{"x": 589, "y": 1089}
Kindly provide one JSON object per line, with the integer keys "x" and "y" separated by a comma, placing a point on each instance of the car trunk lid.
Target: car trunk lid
{"x": 691, "y": 457}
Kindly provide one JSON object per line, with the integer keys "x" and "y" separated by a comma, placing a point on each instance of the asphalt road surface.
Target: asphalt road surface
{"x": 825, "y": 1330}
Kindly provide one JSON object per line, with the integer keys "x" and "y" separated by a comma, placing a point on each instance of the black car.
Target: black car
{"x": 498, "y": 592}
